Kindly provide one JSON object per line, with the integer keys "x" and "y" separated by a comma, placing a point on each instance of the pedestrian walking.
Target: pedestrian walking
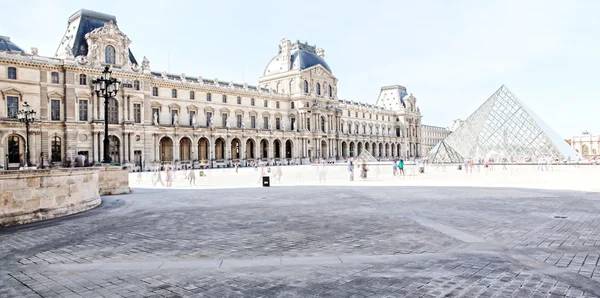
{"x": 169, "y": 175}
{"x": 401, "y": 167}
{"x": 395, "y": 167}
{"x": 236, "y": 166}
{"x": 351, "y": 169}
{"x": 363, "y": 170}
{"x": 192, "y": 177}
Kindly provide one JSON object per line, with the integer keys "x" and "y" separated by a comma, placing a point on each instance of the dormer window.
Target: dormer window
{"x": 109, "y": 54}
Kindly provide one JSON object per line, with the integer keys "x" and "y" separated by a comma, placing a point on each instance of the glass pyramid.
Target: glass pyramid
{"x": 366, "y": 156}
{"x": 503, "y": 127}
{"x": 443, "y": 153}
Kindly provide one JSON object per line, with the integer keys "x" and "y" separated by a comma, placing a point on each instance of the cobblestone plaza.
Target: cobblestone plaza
{"x": 411, "y": 238}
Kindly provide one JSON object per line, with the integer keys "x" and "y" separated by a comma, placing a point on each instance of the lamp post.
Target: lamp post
{"x": 26, "y": 115}
{"x": 107, "y": 87}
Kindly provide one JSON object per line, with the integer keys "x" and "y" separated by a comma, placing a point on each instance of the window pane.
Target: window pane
{"x": 12, "y": 106}
{"x": 12, "y": 73}
{"x": 265, "y": 122}
{"x": 208, "y": 97}
{"x": 252, "y": 121}
{"x": 113, "y": 111}
{"x": 83, "y": 110}
{"x": 137, "y": 113}
{"x": 82, "y": 79}
{"x": 192, "y": 116}
{"x": 154, "y": 91}
{"x": 192, "y": 95}
{"x": 54, "y": 77}
{"x": 55, "y": 156}
{"x": 109, "y": 55}
{"x": 55, "y": 110}
{"x": 224, "y": 98}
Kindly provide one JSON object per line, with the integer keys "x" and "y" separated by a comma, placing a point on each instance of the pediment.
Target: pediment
{"x": 191, "y": 108}
{"x": 319, "y": 70}
{"x": 109, "y": 31}
{"x": 83, "y": 95}
{"x": 54, "y": 94}
{"x": 10, "y": 91}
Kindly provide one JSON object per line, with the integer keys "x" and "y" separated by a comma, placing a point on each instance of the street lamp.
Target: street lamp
{"x": 26, "y": 115}
{"x": 107, "y": 87}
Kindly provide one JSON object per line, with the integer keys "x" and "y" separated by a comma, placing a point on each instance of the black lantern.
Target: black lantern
{"x": 107, "y": 87}
{"x": 26, "y": 115}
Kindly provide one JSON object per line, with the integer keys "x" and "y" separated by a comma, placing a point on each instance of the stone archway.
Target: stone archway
{"x": 387, "y": 151}
{"x": 374, "y": 149}
{"x": 114, "y": 148}
{"x": 165, "y": 149}
{"x": 185, "y": 148}
{"x": 15, "y": 149}
{"x": 368, "y": 147}
{"x": 220, "y": 149}
{"x": 324, "y": 148}
{"x": 380, "y": 150}
{"x": 203, "y": 149}
{"x": 359, "y": 148}
{"x": 264, "y": 149}
{"x": 250, "y": 149}
{"x": 236, "y": 149}
{"x": 277, "y": 149}
{"x": 289, "y": 149}
{"x": 352, "y": 149}
{"x": 344, "y": 149}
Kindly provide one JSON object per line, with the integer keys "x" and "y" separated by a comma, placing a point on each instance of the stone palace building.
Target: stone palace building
{"x": 293, "y": 115}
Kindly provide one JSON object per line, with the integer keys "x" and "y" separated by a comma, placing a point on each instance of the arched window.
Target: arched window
{"x": 305, "y": 86}
{"x": 56, "y": 149}
{"x": 12, "y": 73}
{"x": 14, "y": 149}
{"x": 154, "y": 91}
{"x": 113, "y": 111}
{"x": 82, "y": 79}
{"x": 330, "y": 92}
{"x": 318, "y": 89}
{"x": 136, "y": 85}
{"x": 109, "y": 54}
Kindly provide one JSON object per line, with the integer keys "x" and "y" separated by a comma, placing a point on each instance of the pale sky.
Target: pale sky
{"x": 452, "y": 55}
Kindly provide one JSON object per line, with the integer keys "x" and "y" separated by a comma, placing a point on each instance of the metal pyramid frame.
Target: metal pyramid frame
{"x": 504, "y": 127}
{"x": 442, "y": 152}
{"x": 366, "y": 156}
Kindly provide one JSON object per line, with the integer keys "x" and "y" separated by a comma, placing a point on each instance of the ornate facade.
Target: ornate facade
{"x": 587, "y": 145}
{"x": 292, "y": 116}
{"x": 432, "y": 135}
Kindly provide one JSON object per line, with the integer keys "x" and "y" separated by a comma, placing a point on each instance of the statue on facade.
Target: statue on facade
{"x": 145, "y": 64}
{"x": 94, "y": 52}
{"x": 227, "y": 123}
{"x": 270, "y": 125}
{"x": 34, "y": 51}
{"x": 243, "y": 124}
{"x": 194, "y": 122}
{"x": 155, "y": 118}
{"x": 211, "y": 122}
{"x": 175, "y": 120}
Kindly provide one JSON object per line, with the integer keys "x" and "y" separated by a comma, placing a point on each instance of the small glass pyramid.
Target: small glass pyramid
{"x": 443, "y": 153}
{"x": 503, "y": 127}
{"x": 366, "y": 156}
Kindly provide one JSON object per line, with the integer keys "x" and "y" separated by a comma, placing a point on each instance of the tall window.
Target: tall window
{"x": 154, "y": 91}
{"x": 251, "y": 101}
{"x": 14, "y": 152}
{"x": 136, "y": 85}
{"x": 318, "y": 89}
{"x": 12, "y": 73}
{"x": 55, "y": 109}
{"x": 83, "y": 110}
{"x": 54, "y": 76}
{"x": 109, "y": 54}
{"x": 155, "y": 111}
{"x": 348, "y": 113}
{"x": 293, "y": 124}
{"x": 252, "y": 121}
{"x": 239, "y": 100}
{"x": 224, "y": 98}
{"x": 278, "y": 123}
{"x": 265, "y": 122}
{"x": 349, "y": 128}
{"x": 174, "y": 93}
{"x": 12, "y": 106}
{"x": 82, "y": 79}
{"x": 173, "y": 113}
{"x": 266, "y": 103}
{"x": 192, "y": 116}
{"x": 137, "y": 113}
{"x": 277, "y": 104}
{"x": 323, "y": 124}
{"x": 208, "y": 97}
{"x": 113, "y": 111}
{"x": 208, "y": 117}
{"x": 292, "y": 105}
{"x": 239, "y": 121}
{"x": 55, "y": 147}
{"x": 224, "y": 119}
{"x": 192, "y": 95}
{"x": 305, "y": 86}
{"x": 330, "y": 91}
{"x": 356, "y": 114}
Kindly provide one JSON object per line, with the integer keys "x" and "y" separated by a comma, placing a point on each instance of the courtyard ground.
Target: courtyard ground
{"x": 504, "y": 233}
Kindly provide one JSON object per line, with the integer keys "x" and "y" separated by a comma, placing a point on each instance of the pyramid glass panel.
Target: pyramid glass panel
{"x": 503, "y": 127}
{"x": 443, "y": 153}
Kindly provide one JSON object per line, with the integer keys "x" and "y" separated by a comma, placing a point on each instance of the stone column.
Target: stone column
{"x": 131, "y": 153}
{"x": 125, "y": 146}
{"x": 100, "y": 139}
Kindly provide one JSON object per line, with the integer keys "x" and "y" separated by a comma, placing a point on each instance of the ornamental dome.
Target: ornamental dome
{"x": 295, "y": 56}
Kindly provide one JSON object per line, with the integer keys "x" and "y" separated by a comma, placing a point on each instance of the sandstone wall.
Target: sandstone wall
{"x": 113, "y": 180}
{"x": 34, "y": 195}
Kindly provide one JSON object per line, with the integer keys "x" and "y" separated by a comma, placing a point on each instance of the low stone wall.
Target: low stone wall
{"x": 33, "y": 195}
{"x": 113, "y": 180}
